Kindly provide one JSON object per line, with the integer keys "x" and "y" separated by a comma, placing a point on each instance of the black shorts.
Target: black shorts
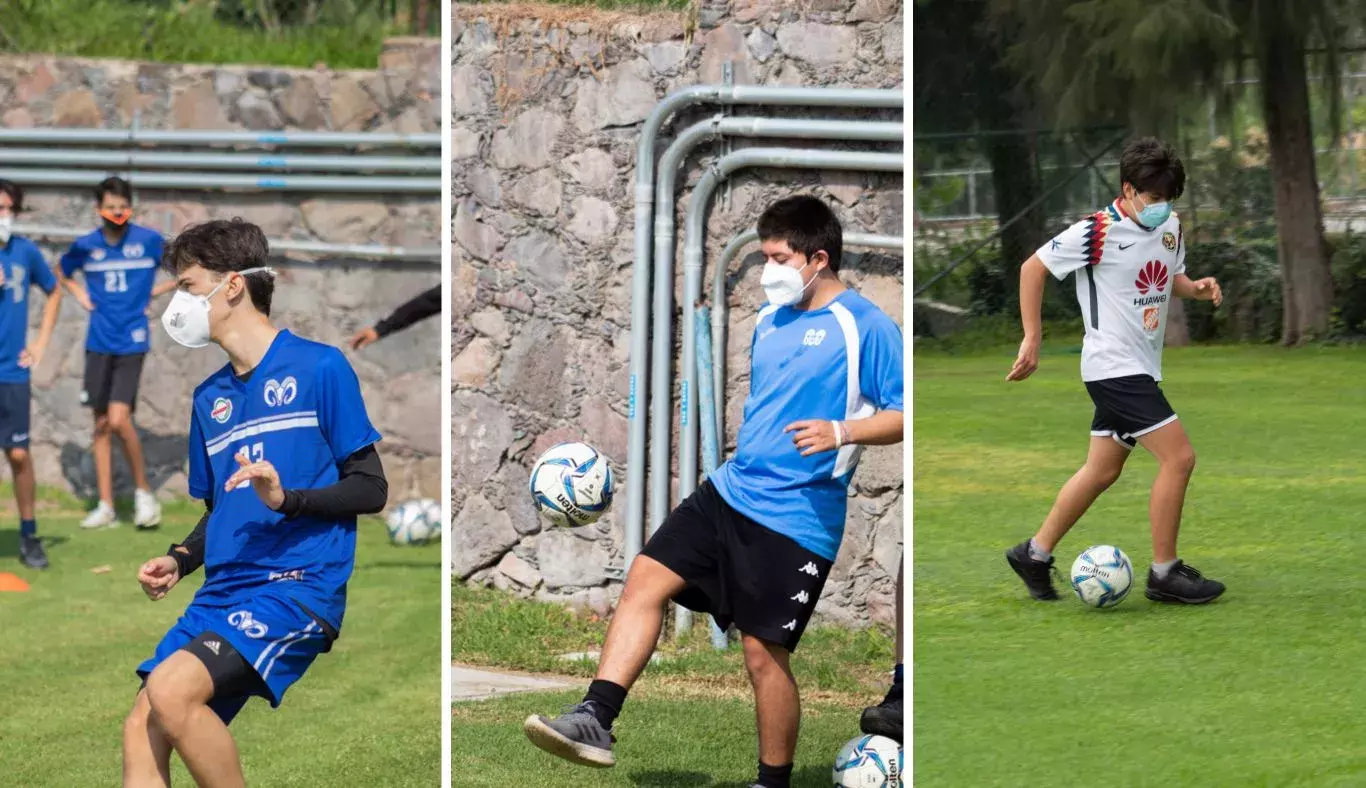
{"x": 110, "y": 378}
{"x": 235, "y": 681}
{"x": 15, "y": 400}
{"x": 739, "y": 571}
{"x": 1128, "y": 408}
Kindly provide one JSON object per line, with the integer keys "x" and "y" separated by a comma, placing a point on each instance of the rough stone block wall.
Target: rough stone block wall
{"x": 324, "y": 299}
{"x": 548, "y": 103}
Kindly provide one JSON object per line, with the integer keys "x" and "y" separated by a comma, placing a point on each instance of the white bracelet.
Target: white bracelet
{"x": 839, "y": 433}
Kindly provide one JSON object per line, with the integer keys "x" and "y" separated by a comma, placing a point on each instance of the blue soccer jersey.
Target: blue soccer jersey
{"x": 119, "y": 279}
{"x": 839, "y": 363}
{"x": 22, "y": 267}
{"x": 301, "y": 410}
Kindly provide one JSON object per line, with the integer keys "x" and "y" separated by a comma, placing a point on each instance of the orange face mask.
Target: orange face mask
{"x": 119, "y": 218}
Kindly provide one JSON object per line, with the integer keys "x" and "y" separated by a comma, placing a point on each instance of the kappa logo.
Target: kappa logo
{"x": 1152, "y": 276}
{"x": 97, "y": 254}
{"x": 222, "y": 410}
{"x": 213, "y": 645}
{"x": 791, "y": 626}
{"x": 281, "y": 392}
{"x": 1169, "y": 242}
{"x": 802, "y": 597}
{"x": 810, "y": 569}
{"x": 249, "y": 626}
{"x": 132, "y": 250}
{"x": 814, "y": 337}
{"x": 1056, "y": 244}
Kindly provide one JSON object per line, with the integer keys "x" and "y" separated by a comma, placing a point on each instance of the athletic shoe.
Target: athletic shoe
{"x": 101, "y": 516}
{"x": 146, "y": 509}
{"x": 31, "y": 552}
{"x": 1037, "y": 575}
{"x": 576, "y": 735}
{"x": 884, "y": 719}
{"x": 1183, "y": 583}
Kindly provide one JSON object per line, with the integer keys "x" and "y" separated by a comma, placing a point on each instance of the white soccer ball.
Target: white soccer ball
{"x": 415, "y": 522}
{"x": 1102, "y": 576}
{"x": 869, "y": 762}
{"x": 571, "y": 484}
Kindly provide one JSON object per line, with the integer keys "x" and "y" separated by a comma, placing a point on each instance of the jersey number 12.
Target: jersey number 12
{"x": 253, "y": 453}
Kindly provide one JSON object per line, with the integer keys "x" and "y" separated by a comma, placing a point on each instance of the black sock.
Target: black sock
{"x": 608, "y": 698}
{"x": 775, "y": 776}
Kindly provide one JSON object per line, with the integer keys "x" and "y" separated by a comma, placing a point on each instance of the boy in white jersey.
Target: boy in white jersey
{"x": 754, "y": 544}
{"x": 1129, "y": 260}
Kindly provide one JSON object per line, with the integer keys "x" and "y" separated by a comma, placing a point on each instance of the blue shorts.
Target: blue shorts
{"x": 14, "y": 415}
{"x": 275, "y": 637}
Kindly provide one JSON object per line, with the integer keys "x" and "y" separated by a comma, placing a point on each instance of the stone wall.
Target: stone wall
{"x": 547, "y": 106}
{"x": 324, "y": 299}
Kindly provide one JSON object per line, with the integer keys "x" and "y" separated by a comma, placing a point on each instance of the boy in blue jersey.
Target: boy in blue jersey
{"x": 21, "y": 266}
{"x": 283, "y": 455}
{"x": 755, "y": 543}
{"x": 119, "y": 262}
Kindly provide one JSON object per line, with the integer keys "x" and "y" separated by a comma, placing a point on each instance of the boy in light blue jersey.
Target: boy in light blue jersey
{"x": 754, "y": 545}
{"x": 21, "y": 266}
{"x": 119, "y": 262}
{"x": 283, "y": 454}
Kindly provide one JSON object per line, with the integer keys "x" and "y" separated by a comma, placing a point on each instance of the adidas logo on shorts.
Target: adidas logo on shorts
{"x": 213, "y": 645}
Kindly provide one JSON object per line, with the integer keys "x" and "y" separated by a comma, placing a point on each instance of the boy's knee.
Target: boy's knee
{"x": 763, "y": 659}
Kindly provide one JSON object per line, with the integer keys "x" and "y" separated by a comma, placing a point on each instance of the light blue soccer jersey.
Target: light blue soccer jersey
{"x": 301, "y": 410}
{"x": 840, "y": 363}
{"x": 23, "y": 267}
{"x": 119, "y": 279}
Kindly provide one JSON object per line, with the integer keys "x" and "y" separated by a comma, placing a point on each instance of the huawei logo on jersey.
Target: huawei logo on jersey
{"x": 1152, "y": 276}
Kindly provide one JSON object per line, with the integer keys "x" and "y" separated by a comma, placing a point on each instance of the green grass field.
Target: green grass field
{"x": 1257, "y": 689}
{"x": 368, "y": 713}
{"x": 688, "y": 722}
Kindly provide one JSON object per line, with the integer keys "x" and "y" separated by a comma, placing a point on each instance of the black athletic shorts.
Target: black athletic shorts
{"x": 14, "y": 415}
{"x": 110, "y": 378}
{"x": 739, "y": 571}
{"x": 1128, "y": 408}
{"x": 235, "y": 681}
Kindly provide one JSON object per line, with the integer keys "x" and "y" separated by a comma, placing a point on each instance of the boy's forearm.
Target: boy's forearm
{"x": 1033, "y": 274}
{"x": 1183, "y": 286}
{"x": 50, "y": 311}
{"x": 883, "y": 428}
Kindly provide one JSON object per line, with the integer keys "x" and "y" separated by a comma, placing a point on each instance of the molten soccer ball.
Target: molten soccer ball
{"x": 869, "y": 762}
{"x": 415, "y": 522}
{"x": 571, "y": 484}
{"x": 1102, "y": 576}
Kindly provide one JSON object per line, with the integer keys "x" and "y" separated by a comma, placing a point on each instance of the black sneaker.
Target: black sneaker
{"x": 884, "y": 719}
{"x": 31, "y": 552}
{"x": 1183, "y": 583}
{"x": 1037, "y": 575}
{"x": 576, "y": 735}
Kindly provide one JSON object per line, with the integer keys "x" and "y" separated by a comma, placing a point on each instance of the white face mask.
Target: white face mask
{"x": 6, "y": 229}
{"x": 186, "y": 318}
{"x": 783, "y": 284}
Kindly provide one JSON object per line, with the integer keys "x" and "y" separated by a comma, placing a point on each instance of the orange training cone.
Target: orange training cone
{"x": 12, "y": 582}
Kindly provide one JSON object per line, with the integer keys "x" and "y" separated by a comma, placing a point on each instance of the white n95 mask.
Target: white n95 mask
{"x": 186, "y": 318}
{"x": 6, "y": 229}
{"x": 783, "y": 284}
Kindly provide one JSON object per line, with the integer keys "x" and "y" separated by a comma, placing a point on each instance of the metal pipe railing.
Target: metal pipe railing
{"x": 217, "y": 161}
{"x": 253, "y": 139}
{"x": 216, "y": 181}
{"x": 724, "y": 95}
{"x": 720, "y": 325}
{"x": 369, "y": 251}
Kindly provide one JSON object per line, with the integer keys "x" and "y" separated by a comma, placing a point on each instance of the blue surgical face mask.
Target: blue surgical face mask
{"x": 1152, "y": 216}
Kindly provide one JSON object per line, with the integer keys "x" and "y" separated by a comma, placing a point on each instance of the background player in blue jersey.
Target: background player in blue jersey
{"x": 754, "y": 545}
{"x": 282, "y": 453}
{"x": 119, "y": 262}
{"x": 21, "y": 266}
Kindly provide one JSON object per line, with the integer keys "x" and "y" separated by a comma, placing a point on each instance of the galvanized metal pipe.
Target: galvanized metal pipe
{"x": 725, "y": 95}
{"x": 217, "y": 181}
{"x": 665, "y": 186}
{"x": 188, "y": 138}
{"x": 368, "y": 251}
{"x": 720, "y": 325}
{"x": 217, "y": 161}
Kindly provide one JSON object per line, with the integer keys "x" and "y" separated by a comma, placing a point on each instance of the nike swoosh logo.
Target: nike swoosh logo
{"x": 1122, "y": 247}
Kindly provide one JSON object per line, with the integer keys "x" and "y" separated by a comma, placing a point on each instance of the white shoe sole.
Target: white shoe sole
{"x": 553, "y": 742}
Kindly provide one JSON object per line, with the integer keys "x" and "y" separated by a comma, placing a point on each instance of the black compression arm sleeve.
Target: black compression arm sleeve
{"x": 189, "y": 554}
{"x": 362, "y": 489}
{"x": 423, "y": 306}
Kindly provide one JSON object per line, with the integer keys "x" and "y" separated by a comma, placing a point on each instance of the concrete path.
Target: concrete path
{"x": 478, "y": 684}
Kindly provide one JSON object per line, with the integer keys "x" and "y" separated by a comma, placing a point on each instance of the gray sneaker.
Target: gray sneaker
{"x": 576, "y": 735}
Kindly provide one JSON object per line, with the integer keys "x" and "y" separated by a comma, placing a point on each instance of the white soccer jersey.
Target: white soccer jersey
{"x": 1125, "y": 273}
